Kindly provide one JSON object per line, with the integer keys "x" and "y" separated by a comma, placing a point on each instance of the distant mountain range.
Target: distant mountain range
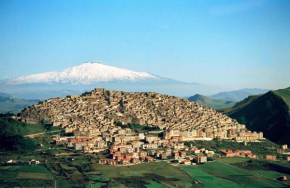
{"x": 88, "y": 76}
{"x": 9, "y": 103}
{"x": 211, "y": 103}
{"x": 225, "y": 99}
{"x": 238, "y": 95}
{"x": 269, "y": 113}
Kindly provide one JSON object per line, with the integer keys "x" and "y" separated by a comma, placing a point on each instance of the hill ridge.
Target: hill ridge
{"x": 268, "y": 113}
{"x": 211, "y": 103}
{"x": 100, "y": 108}
{"x": 238, "y": 95}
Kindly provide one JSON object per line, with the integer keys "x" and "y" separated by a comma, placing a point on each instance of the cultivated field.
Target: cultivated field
{"x": 25, "y": 176}
{"x": 240, "y": 176}
{"x": 207, "y": 179}
{"x": 157, "y": 174}
{"x": 84, "y": 171}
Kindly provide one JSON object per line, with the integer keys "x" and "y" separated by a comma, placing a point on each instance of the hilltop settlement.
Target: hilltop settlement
{"x": 112, "y": 120}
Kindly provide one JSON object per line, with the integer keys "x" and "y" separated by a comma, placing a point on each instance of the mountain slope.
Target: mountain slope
{"x": 238, "y": 95}
{"x": 211, "y": 103}
{"x": 12, "y": 132}
{"x": 86, "y": 73}
{"x": 9, "y": 103}
{"x": 88, "y": 76}
{"x": 268, "y": 113}
{"x": 238, "y": 105}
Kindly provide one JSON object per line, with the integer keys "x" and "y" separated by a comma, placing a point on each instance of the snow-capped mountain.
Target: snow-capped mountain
{"x": 88, "y": 76}
{"x": 86, "y": 73}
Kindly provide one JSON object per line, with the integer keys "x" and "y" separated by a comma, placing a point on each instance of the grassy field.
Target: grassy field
{"x": 65, "y": 184}
{"x": 25, "y": 176}
{"x": 207, "y": 179}
{"x": 231, "y": 160}
{"x": 8, "y": 173}
{"x": 219, "y": 174}
{"x": 33, "y": 172}
{"x": 213, "y": 174}
{"x": 154, "y": 184}
{"x": 95, "y": 185}
{"x": 271, "y": 174}
{"x": 24, "y": 172}
{"x": 84, "y": 170}
{"x": 222, "y": 169}
{"x": 148, "y": 174}
{"x": 283, "y": 163}
{"x": 261, "y": 165}
{"x": 242, "y": 177}
{"x": 34, "y": 169}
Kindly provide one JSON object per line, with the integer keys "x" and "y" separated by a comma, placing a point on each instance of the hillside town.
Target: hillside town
{"x": 126, "y": 147}
{"x": 95, "y": 112}
{"x": 96, "y": 122}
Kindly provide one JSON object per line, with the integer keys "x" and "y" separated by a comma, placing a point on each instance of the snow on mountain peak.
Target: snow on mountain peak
{"x": 86, "y": 73}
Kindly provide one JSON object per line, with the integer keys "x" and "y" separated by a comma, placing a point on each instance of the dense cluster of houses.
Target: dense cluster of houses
{"x": 92, "y": 117}
{"x": 94, "y": 113}
{"x": 127, "y": 147}
{"x": 128, "y": 154}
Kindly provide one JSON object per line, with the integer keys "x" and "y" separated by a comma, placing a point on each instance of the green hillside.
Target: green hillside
{"x": 268, "y": 113}
{"x": 9, "y": 126}
{"x": 211, "y": 103}
{"x": 12, "y": 132}
{"x": 8, "y": 103}
{"x": 238, "y": 105}
{"x": 284, "y": 94}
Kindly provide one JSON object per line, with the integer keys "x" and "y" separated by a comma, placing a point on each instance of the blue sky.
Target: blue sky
{"x": 234, "y": 44}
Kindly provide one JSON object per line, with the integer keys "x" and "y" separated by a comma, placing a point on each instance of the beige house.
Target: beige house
{"x": 271, "y": 157}
{"x": 201, "y": 159}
